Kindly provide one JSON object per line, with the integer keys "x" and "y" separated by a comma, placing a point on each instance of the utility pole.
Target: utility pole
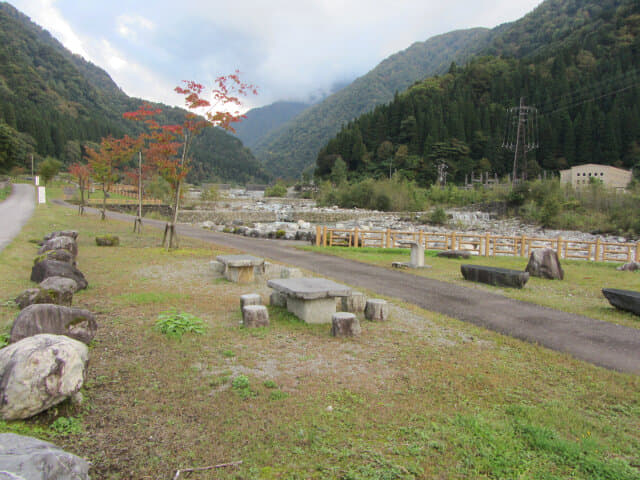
{"x": 521, "y": 137}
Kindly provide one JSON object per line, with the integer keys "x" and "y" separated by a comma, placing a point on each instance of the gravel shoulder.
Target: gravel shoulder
{"x": 15, "y": 211}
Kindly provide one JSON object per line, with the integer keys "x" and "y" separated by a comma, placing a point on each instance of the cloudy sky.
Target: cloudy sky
{"x": 290, "y": 49}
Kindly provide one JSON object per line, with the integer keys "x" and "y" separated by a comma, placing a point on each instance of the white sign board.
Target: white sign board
{"x": 37, "y": 180}
{"x": 41, "y": 195}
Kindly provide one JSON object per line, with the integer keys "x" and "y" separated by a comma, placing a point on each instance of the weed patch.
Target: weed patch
{"x": 174, "y": 324}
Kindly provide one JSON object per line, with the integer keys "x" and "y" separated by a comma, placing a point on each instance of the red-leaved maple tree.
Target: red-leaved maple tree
{"x": 106, "y": 161}
{"x": 81, "y": 172}
{"x": 169, "y": 146}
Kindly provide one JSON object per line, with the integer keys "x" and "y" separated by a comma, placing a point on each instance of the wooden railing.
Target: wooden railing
{"x": 480, "y": 244}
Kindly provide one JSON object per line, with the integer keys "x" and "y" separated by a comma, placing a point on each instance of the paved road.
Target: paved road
{"x": 15, "y": 211}
{"x": 602, "y": 343}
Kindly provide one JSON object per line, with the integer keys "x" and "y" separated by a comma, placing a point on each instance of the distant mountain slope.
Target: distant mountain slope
{"x": 260, "y": 121}
{"x": 62, "y": 101}
{"x": 577, "y": 61}
{"x": 294, "y": 146}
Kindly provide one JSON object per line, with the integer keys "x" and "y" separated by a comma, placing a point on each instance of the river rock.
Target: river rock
{"x": 60, "y": 255}
{"x": 454, "y": 254}
{"x": 53, "y": 268}
{"x": 75, "y": 323}
{"x": 60, "y": 243}
{"x": 33, "y": 295}
{"x": 629, "y": 267}
{"x": 62, "y": 233}
{"x": 29, "y": 458}
{"x": 628, "y": 300}
{"x": 39, "y": 372}
{"x": 61, "y": 284}
{"x": 108, "y": 241}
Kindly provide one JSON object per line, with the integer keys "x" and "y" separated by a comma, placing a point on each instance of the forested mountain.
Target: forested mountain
{"x": 260, "y": 121}
{"x": 58, "y": 102}
{"x": 288, "y": 150}
{"x": 577, "y": 61}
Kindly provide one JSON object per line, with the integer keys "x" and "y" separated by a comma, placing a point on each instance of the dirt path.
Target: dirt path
{"x": 601, "y": 343}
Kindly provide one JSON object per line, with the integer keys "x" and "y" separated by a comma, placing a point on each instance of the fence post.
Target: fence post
{"x": 487, "y": 245}
{"x": 597, "y": 255}
{"x": 324, "y": 237}
{"x": 318, "y": 234}
{"x": 523, "y": 245}
{"x": 421, "y": 240}
{"x": 638, "y": 252}
{"x": 388, "y": 241}
{"x": 560, "y": 247}
{"x": 453, "y": 240}
{"x": 355, "y": 237}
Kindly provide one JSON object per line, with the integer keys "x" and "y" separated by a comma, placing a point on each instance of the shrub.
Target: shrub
{"x": 280, "y": 233}
{"x": 175, "y": 325}
{"x": 438, "y": 216}
{"x": 64, "y": 426}
{"x": 278, "y": 190}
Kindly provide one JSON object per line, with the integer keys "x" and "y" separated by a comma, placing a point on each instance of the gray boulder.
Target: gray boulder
{"x": 629, "y": 267}
{"x": 500, "y": 277}
{"x": 544, "y": 263}
{"x": 56, "y": 290}
{"x": 108, "y": 241}
{"x": 60, "y": 243}
{"x": 628, "y": 300}
{"x": 62, "y": 233}
{"x": 30, "y": 459}
{"x": 52, "y": 268}
{"x": 75, "y": 323}
{"x": 454, "y": 254}
{"x": 39, "y": 372}
{"x": 61, "y": 284}
{"x": 60, "y": 255}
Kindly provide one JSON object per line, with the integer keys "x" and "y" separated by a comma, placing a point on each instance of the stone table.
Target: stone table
{"x": 313, "y": 300}
{"x": 417, "y": 256}
{"x": 240, "y": 268}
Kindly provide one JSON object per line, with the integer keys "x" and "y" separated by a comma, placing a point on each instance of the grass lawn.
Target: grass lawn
{"x": 420, "y": 396}
{"x": 580, "y": 292}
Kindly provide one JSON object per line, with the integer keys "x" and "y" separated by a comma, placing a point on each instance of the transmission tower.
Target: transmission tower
{"x": 521, "y": 137}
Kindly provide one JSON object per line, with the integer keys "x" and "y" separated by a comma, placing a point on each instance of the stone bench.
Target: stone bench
{"x": 240, "y": 268}
{"x": 454, "y": 254}
{"x": 312, "y": 300}
{"x": 500, "y": 277}
{"x": 623, "y": 299}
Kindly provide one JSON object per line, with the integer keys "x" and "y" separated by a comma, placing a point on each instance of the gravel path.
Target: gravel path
{"x": 601, "y": 343}
{"x": 15, "y": 211}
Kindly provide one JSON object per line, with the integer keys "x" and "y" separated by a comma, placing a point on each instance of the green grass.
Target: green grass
{"x": 580, "y": 292}
{"x": 421, "y": 396}
{"x": 5, "y": 192}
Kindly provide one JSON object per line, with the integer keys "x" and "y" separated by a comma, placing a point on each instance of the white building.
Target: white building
{"x": 581, "y": 175}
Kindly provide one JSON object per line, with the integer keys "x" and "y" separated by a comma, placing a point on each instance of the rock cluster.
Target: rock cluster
{"x": 46, "y": 362}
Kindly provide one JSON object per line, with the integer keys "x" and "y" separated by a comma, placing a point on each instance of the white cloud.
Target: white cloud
{"x": 129, "y": 26}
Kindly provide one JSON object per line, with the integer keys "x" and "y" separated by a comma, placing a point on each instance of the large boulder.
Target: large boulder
{"x": 56, "y": 290}
{"x": 39, "y": 372}
{"x": 64, "y": 285}
{"x": 628, "y": 300}
{"x": 60, "y": 255}
{"x": 32, "y": 296}
{"x": 62, "y": 233}
{"x": 108, "y": 241}
{"x": 75, "y": 323}
{"x": 60, "y": 243}
{"x": 29, "y": 458}
{"x": 629, "y": 267}
{"x": 544, "y": 263}
{"x": 52, "y": 268}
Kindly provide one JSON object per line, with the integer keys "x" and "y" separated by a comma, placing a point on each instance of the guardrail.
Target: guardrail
{"x": 484, "y": 245}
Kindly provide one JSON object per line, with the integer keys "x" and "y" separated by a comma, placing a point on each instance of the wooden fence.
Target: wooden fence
{"x": 477, "y": 244}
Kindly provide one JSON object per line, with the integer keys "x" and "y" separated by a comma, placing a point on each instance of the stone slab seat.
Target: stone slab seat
{"x": 501, "y": 277}
{"x": 313, "y": 300}
{"x": 623, "y": 299}
{"x": 240, "y": 268}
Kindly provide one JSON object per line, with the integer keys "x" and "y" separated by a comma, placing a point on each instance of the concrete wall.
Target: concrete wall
{"x": 580, "y": 175}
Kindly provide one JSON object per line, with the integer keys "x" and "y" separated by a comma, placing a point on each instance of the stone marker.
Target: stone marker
{"x": 354, "y": 303}
{"x": 544, "y": 263}
{"x": 108, "y": 241}
{"x": 277, "y": 299}
{"x": 345, "y": 324}
{"x": 60, "y": 243}
{"x": 502, "y": 277}
{"x": 629, "y": 267}
{"x": 62, "y": 233}
{"x": 376, "y": 310}
{"x": 453, "y": 254}
{"x": 29, "y": 458}
{"x": 255, "y": 316}
{"x": 52, "y": 268}
{"x": 623, "y": 299}
{"x": 250, "y": 299}
{"x": 75, "y": 323}
{"x": 39, "y": 372}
